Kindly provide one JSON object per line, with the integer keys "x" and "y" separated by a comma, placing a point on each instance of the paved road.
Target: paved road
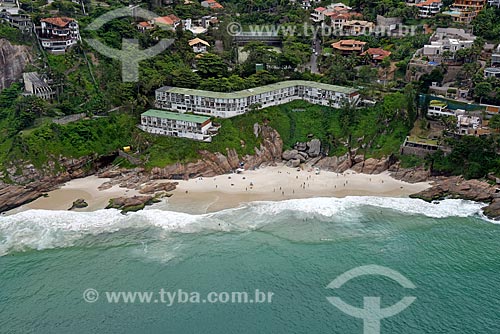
{"x": 313, "y": 64}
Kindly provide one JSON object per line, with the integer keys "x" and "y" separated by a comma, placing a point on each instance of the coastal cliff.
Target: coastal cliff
{"x": 29, "y": 183}
{"x": 13, "y": 60}
{"x": 212, "y": 164}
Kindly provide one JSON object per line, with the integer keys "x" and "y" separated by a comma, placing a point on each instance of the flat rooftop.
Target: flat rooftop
{"x": 258, "y": 90}
{"x": 35, "y": 79}
{"x": 422, "y": 141}
{"x": 175, "y": 116}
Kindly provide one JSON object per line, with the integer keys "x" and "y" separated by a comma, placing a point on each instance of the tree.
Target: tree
{"x": 185, "y": 78}
{"x": 367, "y": 74}
{"x": 211, "y": 65}
{"x": 483, "y": 89}
{"x": 495, "y": 122}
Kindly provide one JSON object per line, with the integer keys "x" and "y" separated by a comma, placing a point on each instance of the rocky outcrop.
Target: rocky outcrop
{"x": 212, "y": 164}
{"x": 310, "y": 153}
{"x": 30, "y": 183}
{"x": 131, "y": 204}
{"x": 372, "y": 166}
{"x": 492, "y": 211}
{"x": 13, "y": 60}
{"x": 457, "y": 187}
{"x": 12, "y": 196}
{"x": 154, "y": 188}
{"x": 410, "y": 175}
{"x": 79, "y": 204}
{"x": 314, "y": 148}
{"x": 335, "y": 164}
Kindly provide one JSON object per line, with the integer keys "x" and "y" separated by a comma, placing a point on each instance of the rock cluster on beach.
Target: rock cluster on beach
{"x": 302, "y": 152}
{"x": 310, "y": 154}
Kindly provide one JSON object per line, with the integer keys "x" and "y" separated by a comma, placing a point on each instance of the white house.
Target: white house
{"x": 439, "y": 109}
{"x": 57, "y": 34}
{"x": 199, "y": 45}
{"x": 448, "y": 39}
{"x": 467, "y": 124}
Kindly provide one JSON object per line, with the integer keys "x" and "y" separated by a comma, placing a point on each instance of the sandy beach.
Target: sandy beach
{"x": 86, "y": 188}
{"x": 211, "y": 194}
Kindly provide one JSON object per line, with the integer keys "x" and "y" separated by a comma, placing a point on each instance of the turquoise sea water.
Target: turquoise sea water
{"x": 293, "y": 249}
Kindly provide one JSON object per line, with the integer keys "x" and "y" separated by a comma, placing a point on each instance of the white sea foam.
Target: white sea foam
{"x": 338, "y": 206}
{"x": 41, "y": 229}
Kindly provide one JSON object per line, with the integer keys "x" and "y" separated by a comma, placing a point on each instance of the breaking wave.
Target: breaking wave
{"x": 43, "y": 229}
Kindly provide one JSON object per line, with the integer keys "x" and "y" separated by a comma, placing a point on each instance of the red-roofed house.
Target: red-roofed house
{"x": 429, "y": 8}
{"x": 337, "y": 12}
{"x": 377, "y": 54}
{"x": 349, "y": 46}
{"x": 169, "y": 21}
{"x": 318, "y": 14}
{"x": 57, "y": 34}
{"x": 212, "y": 4}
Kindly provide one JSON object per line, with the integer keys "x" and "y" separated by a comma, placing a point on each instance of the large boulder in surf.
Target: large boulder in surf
{"x": 492, "y": 211}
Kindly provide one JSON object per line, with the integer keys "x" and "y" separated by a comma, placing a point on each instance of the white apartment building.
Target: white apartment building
{"x": 226, "y": 105}
{"x": 495, "y": 3}
{"x": 172, "y": 124}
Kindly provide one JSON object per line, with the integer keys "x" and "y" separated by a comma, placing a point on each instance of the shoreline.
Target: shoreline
{"x": 210, "y": 194}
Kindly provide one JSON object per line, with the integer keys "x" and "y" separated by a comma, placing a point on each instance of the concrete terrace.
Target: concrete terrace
{"x": 176, "y": 116}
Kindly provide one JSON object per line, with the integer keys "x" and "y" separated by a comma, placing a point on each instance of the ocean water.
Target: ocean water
{"x": 292, "y": 249}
